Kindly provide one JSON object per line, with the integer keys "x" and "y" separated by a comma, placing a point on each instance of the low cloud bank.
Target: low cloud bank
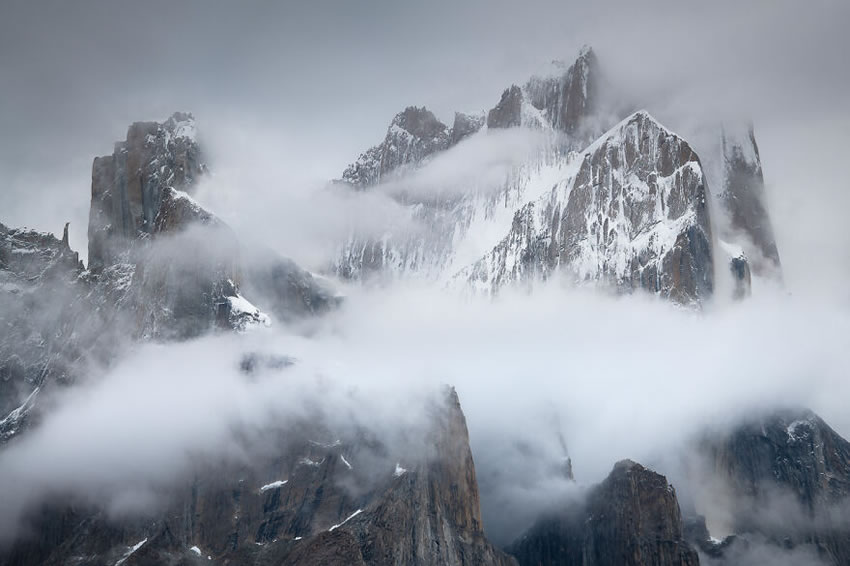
{"x": 563, "y": 373}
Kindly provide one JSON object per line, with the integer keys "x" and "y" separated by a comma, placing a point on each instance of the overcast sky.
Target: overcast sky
{"x": 317, "y": 82}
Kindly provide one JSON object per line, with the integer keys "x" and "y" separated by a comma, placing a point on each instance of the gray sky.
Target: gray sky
{"x": 317, "y": 82}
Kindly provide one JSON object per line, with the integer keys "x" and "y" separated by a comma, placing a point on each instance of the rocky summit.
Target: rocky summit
{"x": 631, "y": 519}
{"x": 635, "y": 214}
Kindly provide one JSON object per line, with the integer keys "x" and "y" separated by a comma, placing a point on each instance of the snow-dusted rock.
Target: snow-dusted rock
{"x": 634, "y": 215}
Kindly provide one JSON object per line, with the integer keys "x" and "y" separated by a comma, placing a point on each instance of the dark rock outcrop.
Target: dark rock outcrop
{"x": 788, "y": 481}
{"x": 465, "y": 125}
{"x": 567, "y": 98}
{"x": 183, "y": 267}
{"x": 127, "y": 186}
{"x": 743, "y": 195}
{"x": 630, "y": 519}
{"x": 508, "y": 112}
{"x": 741, "y": 277}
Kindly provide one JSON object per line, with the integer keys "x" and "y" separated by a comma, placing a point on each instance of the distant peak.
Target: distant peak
{"x": 419, "y": 121}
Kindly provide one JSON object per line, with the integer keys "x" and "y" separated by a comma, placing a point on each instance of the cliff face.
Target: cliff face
{"x": 413, "y": 135}
{"x": 743, "y": 196}
{"x": 634, "y": 215}
{"x": 309, "y": 500}
{"x": 161, "y": 266}
{"x": 183, "y": 268}
{"x": 788, "y": 478}
{"x": 630, "y": 519}
{"x": 127, "y": 186}
{"x": 40, "y": 334}
{"x": 567, "y": 99}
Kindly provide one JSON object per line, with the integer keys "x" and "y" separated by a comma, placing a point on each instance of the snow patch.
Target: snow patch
{"x": 273, "y": 485}
{"x": 346, "y": 520}
{"x": 399, "y": 471}
{"x": 344, "y": 461}
{"x": 245, "y": 314}
{"x": 130, "y": 552}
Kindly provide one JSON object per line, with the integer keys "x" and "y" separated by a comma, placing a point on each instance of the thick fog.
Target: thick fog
{"x": 606, "y": 378}
{"x": 287, "y": 96}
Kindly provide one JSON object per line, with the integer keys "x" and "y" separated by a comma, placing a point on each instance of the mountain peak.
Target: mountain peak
{"x": 419, "y": 122}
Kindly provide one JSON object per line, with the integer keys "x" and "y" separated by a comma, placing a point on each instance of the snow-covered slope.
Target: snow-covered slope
{"x": 634, "y": 215}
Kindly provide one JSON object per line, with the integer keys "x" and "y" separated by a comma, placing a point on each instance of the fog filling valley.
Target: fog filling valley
{"x": 560, "y": 372}
{"x": 616, "y": 377}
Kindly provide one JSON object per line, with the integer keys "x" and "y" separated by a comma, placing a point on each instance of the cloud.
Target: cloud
{"x": 613, "y": 377}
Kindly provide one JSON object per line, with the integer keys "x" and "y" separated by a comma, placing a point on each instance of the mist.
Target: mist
{"x": 604, "y": 378}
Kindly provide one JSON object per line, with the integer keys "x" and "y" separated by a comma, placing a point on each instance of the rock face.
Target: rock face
{"x": 561, "y": 100}
{"x": 788, "y": 477}
{"x": 127, "y": 186}
{"x": 465, "y": 125}
{"x": 307, "y": 502}
{"x": 414, "y": 135}
{"x": 184, "y": 267}
{"x": 743, "y": 196}
{"x": 568, "y": 98}
{"x": 630, "y": 519}
{"x": 39, "y": 330}
{"x": 161, "y": 267}
{"x": 508, "y": 112}
{"x": 634, "y": 215}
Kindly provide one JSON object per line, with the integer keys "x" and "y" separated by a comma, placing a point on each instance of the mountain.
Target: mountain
{"x": 187, "y": 266}
{"x": 310, "y": 499}
{"x": 127, "y": 186}
{"x": 626, "y": 206}
{"x": 786, "y": 476}
{"x": 167, "y": 269}
{"x": 413, "y": 135}
{"x": 451, "y": 229}
{"x": 631, "y": 519}
{"x": 160, "y": 267}
{"x": 634, "y": 214}
{"x": 631, "y": 208}
{"x": 561, "y": 100}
